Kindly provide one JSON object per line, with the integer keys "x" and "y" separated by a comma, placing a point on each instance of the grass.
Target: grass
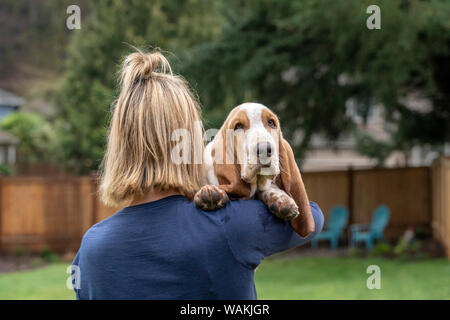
{"x": 282, "y": 278}
{"x": 44, "y": 283}
{"x": 345, "y": 278}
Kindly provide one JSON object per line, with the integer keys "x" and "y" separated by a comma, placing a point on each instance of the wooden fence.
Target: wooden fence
{"x": 441, "y": 202}
{"x": 40, "y": 212}
{"x": 406, "y": 191}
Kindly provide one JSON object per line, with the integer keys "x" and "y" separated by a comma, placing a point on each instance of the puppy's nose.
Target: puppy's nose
{"x": 264, "y": 149}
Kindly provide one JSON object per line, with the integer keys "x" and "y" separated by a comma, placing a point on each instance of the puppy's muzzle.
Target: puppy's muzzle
{"x": 264, "y": 152}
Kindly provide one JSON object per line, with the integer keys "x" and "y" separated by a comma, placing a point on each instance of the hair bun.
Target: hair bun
{"x": 142, "y": 66}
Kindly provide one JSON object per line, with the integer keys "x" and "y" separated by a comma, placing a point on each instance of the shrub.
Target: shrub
{"x": 382, "y": 249}
{"x": 49, "y": 256}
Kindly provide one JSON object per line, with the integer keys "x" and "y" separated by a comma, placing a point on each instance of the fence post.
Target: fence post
{"x": 445, "y": 173}
{"x": 350, "y": 175}
{"x": 88, "y": 203}
{"x": 1, "y": 214}
{"x": 440, "y": 221}
{"x": 94, "y": 185}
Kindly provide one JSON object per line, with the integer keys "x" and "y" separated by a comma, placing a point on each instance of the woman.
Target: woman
{"x": 160, "y": 246}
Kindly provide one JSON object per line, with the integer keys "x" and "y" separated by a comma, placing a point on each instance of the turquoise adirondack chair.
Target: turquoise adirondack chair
{"x": 374, "y": 231}
{"x": 336, "y": 223}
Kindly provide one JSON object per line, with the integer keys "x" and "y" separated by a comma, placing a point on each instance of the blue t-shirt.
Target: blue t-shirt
{"x": 169, "y": 249}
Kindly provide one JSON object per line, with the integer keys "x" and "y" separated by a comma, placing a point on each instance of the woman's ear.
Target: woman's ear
{"x": 290, "y": 180}
{"x": 227, "y": 168}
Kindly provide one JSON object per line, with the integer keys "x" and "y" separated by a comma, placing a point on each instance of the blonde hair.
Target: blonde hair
{"x": 153, "y": 102}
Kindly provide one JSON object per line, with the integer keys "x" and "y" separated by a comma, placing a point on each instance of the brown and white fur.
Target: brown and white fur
{"x": 248, "y": 158}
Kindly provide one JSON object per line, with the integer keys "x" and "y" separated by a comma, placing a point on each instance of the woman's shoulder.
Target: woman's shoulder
{"x": 250, "y": 205}
{"x": 242, "y": 216}
{"x": 256, "y": 206}
{"x": 243, "y": 210}
{"x": 97, "y": 231}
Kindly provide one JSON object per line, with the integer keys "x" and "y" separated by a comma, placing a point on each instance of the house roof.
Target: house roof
{"x": 7, "y": 138}
{"x": 9, "y": 99}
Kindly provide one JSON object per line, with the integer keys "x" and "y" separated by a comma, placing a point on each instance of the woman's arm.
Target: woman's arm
{"x": 254, "y": 232}
{"x": 76, "y": 277}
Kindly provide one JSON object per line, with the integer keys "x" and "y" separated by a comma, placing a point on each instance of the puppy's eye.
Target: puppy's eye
{"x": 271, "y": 123}
{"x": 238, "y": 126}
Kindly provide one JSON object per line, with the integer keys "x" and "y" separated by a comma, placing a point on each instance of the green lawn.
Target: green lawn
{"x": 283, "y": 278}
{"x": 45, "y": 283}
{"x": 345, "y": 278}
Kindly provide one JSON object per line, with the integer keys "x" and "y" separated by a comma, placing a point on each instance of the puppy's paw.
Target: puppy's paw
{"x": 281, "y": 204}
{"x": 210, "y": 198}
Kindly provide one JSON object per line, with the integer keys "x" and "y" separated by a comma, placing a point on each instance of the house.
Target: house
{"x": 340, "y": 155}
{"x": 324, "y": 155}
{"x": 8, "y": 103}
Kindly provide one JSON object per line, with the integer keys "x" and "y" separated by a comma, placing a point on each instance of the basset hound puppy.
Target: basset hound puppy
{"x": 248, "y": 158}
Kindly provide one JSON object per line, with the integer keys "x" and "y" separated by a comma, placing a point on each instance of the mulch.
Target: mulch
{"x": 11, "y": 263}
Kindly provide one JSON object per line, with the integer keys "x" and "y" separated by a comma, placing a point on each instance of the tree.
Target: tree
{"x": 94, "y": 56}
{"x": 34, "y": 133}
{"x": 33, "y": 34}
{"x": 306, "y": 59}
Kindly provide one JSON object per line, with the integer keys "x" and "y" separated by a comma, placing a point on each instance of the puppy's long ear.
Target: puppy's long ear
{"x": 226, "y": 166}
{"x": 290, "y": 180}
